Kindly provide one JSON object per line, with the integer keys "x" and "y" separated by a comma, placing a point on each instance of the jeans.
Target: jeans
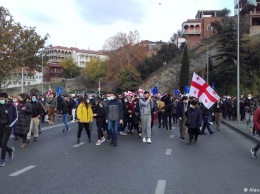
{"x": 248, "y": 117}
{"x": 65, "y": 118}
{"x": 206, "y": 124}
{"x": 5, "y": 133}
{"x": 113, "y": 127}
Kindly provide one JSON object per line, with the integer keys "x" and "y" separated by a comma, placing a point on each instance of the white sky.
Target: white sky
{"x": 86, "y": 24}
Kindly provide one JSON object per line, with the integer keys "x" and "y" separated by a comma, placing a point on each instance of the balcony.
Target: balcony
{"x": 191, "y": 32}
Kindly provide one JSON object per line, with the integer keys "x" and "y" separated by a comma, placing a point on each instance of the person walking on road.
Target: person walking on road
{"x": 66, "y": 111}
{"x": 52, "y": 107}
{"x": 100, "y": 116}
{"x": 37, "y": 111}
{"x": 145, "y": 113}
{"x": 195, "y": 120}
{"x": 256, "y": 120}
{"x": 181, "y": 110}
{"x": 218, "y": 109}
{"x": 24, "y": 109}
{"x": 8, "y": 117}
{"x": 114, "y": 117}
{"x": 84, "y": 116}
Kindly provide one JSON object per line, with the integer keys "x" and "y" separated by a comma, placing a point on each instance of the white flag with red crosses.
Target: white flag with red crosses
{"x": 201, "y": 90}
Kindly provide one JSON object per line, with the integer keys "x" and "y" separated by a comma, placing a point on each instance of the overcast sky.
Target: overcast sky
{"x": 86, "y": 24}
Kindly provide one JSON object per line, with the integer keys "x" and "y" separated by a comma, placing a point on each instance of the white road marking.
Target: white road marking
{"x": 45, "y": 128}
{"x": 168, "y": 152}
{"x": 171, "y": 136}
{"x": 160, "y": 188}
{"x": 22, "y": 170}
{"x": 80, "y": 144}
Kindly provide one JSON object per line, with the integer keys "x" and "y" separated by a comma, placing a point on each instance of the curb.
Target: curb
{"x": 248, "y": 136}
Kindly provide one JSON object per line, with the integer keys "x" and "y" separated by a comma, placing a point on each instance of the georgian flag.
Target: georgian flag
{"x": 49, "y": 91}
{"x": 201, "y": 90}
{"x": 129, "y": 93}
{"x": 141, "y": 91}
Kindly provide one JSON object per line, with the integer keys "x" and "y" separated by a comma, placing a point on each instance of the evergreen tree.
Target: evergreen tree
{"x": 185, "y": 69}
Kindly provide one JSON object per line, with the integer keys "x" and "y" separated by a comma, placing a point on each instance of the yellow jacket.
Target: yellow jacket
{"x": 160, "y": 105}
{"x": 84, "y": 114}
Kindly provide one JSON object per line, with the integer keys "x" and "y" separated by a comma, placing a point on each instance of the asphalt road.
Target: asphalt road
{"x": 217, "y": 164}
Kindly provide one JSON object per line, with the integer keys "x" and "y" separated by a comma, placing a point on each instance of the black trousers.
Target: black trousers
{"x": 257, "y": 147}
{"x": 160, "y": 118}
{"x": 193, "y": 132}
{"x": 100, "y": 126}
{"x": 167, "y": 119}
{"x": 81, "y": 126}
{"x": 5, "y": 133}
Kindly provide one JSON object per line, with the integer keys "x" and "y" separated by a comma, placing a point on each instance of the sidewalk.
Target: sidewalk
{"x": 242, "y": 129}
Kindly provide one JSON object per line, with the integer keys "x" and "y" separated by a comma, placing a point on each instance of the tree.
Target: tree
{"x": 96, "y": 69}
{"x": 185, "y": 69}
{"x": 128, "y": 78}
{"x": 19, "y": 46}
{"x": 123, "y": 49}
{"x": 70, "y": 68}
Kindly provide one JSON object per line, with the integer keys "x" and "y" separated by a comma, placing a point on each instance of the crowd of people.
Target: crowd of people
{"x": 116, "y": 115}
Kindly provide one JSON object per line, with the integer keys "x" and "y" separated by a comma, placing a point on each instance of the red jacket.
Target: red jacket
{"x": 257, "y": 119}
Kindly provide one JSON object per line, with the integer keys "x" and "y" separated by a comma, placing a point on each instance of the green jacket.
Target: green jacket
{"x": 53, "y": 103}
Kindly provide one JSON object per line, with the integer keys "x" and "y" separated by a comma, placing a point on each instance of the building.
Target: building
{"x": 56, "y": 54}
{"x": 200, "y": 28}
{"x": 249, "y": 15}
{"x": 29, "y": 78}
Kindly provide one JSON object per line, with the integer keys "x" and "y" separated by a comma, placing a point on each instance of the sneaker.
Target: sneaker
{"x": 103, "y": 139}
{"x": 11, "y": 154}
{"x": 123, "y": 133}
{"x": 73, "y": 121}
{"x": 140, "y": 135}
{"x": 68, "y": 129}
{"x": 78, "y": 141}
{"x": 149, "y": 140}
{"x": 211, "y": 123}
{"x": 182, "y": 139}
{"x": 212, "y": 133}
{"x": 98, "y": 142}
{"x": 203, "y": 133}
{"x": 2, "y": 163}
{"x": 22, "y": 146}
{"x": 114, "y": 144}
{"x": 253, "y": 153}
{"x": 189, "y": 143}
{"x": 144, "y": 140}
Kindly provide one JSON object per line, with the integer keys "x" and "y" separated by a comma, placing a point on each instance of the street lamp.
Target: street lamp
{"x": 238, "y": 62}
{"x": 99, "y": 85}
{"x": 42, "y": 72}
{"x": 207, "y": 60}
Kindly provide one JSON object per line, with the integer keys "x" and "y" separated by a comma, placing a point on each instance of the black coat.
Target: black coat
{"x": 24, "y": 118}
{"x": 195, "y": 117}
{"x": 100, "y": 111}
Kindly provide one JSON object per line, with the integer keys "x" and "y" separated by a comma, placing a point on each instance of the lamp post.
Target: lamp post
{"x": 207, "y": 60}
{"x": 42, "y": 72}
{"x": 238, "y": 68}
{"x": 99, "y": 85}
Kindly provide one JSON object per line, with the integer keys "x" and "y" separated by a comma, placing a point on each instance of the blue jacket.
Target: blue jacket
{"x": 12, "y": 113}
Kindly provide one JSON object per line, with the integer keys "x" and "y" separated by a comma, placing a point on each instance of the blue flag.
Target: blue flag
{"x": 177, "y": 92}
{"x": 186, "y": 90}
{"x": 58, "y": 90}
{"x": 155, "y": 90}
{"x": 213, "y": 85}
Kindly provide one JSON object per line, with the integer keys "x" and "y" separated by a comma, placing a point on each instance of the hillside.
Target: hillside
{"x": 167, "y": 77}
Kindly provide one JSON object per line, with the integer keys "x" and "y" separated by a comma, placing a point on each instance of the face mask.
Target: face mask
{"x": 90, "y": 98}
{"x": 126, "y": 100}
{"x": 249, "y": 97}
{"x": 191, "y": 106}
{"x": 33, "y": 99}
{"x": 87, "y": 101}
{"x": 42, "y": 99}
{"x": 14, "y": 100}
{"x": 2, "y": 101}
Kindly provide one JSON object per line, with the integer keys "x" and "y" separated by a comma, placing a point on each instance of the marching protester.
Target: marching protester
{"x": 8, "y": 117}
{"x": 160, "y": 107}
{"x": 205, "y": 116}
{"x": 256, "y": 120}
{"x": 181, "y": 110}
{"x": 145, "y": 113}
{"x": 194, "y": 118}
{"x": 24, "y": 109}
{"x": 52, "y": 107}
{"x": 65, "y": 110}
{"x": 167, "y": 116}
{"x": 85, "y": 117}
{"x": 114, "y": 117}
{"x": 100, "y": 116}
{"x": 218, "y": 109}
{"x": 37, "y": 111}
